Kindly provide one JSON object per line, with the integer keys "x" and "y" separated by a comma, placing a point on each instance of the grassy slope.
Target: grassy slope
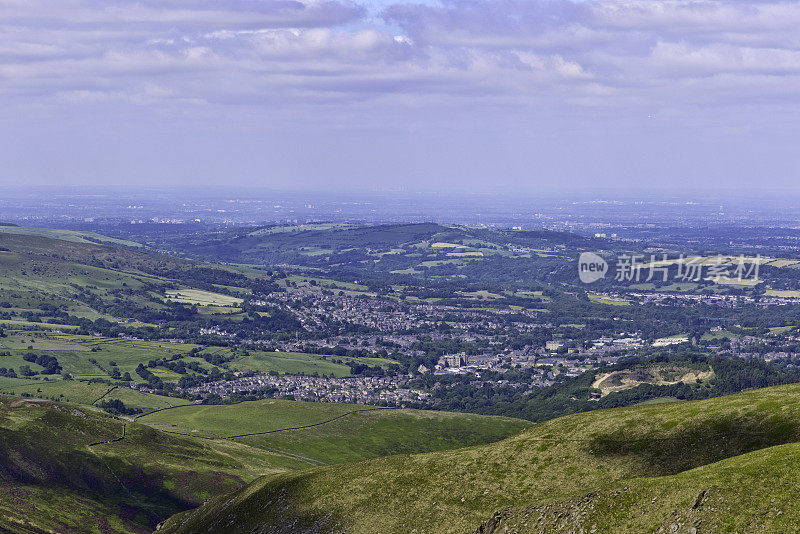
{"x": 364, "y": 434}
{"x": 37, "y": 270}
{"x": 68, "y": 235}
{"x": 52, "y": 480}
{"x": 78, "y": 392}
{"x": 652, "y": 450}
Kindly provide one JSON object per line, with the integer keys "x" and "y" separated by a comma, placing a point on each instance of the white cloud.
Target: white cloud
{"x": 484, "y": 71}
{"x": 637, "y": 50}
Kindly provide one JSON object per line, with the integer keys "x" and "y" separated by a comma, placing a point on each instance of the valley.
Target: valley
{"x": 430, "y": 399}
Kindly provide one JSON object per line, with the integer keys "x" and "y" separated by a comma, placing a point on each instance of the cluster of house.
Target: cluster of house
{"x": 316, "y": 311}
{"x": 550, "y": 366}
{"x": 719, "y": 300}
{"x": 360, "y": 390}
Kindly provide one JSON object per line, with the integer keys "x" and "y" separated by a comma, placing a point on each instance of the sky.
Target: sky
{"x": 446, "y": 95}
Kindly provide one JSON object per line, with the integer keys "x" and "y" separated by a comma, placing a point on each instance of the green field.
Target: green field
{"x": 53, "y": 481}
{"x": 779, "y": 293}
{"x": 202, "y": 298}
{"x": 134, "y": 476}
{"x": 68, "y": 235}
{"x": 75, "y": 352}
{"x": 611, "y": 301}
{"x": 355, "y": 436}
{"x": 81, "y": 392}
{"x": 722, "y": 465}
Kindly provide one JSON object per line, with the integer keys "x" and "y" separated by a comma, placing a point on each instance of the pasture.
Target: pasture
{"x": 783, "y": 294}
{"x": 366, "y": 433}
{"x": 83, "y": 392}
{"x": 201, "y": 298}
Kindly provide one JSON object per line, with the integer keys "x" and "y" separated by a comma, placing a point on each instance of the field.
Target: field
{"x": 55, "y": 480}
{"x": 785, "y": 294}
{"x": 68, "y": 235}
{"x": 367, "y": 433}
{"x": 91, "y": 357}
{"x": 611, "y": 301}
{"x": 671, "y": 340}
{"x": 636, "y": 469}
{"x": 724, "y": 280}
{"x": 86, "y": 393}
{"x": 783, "y": 263}
{"x": 202, "y": 298}
{"x": 74, "y": 352}
{"x": 71, "y": 468}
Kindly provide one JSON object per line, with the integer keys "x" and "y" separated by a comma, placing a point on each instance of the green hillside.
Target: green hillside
{"x": 71, "y": 468}
{"x": 334, "y": 433}
{"x": 64, "y": 468}
{"x": 726, "y": 464}
{"x": 406, "y": 249}
{"x": 68, "y": 235}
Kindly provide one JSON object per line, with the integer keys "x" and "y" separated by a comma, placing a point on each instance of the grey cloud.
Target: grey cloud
{"x": 536, "y": 75}
{"x": 633, "y": 50}
{"x": 155, "y": 15}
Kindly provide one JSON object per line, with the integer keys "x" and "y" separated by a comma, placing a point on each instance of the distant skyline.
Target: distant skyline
{"x": 447, "y": 95}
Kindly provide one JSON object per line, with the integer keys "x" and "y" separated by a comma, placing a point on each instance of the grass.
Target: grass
{"x": 202, "y": 298}
{"x": 11, "y": 323}
{"x": 781, "y": 329}
{"x": 611, "y": 301}
{"x": 305, "y": 281}
{"x": 355, "y": 436}
{"x": 127, "y": 354}
{"x": 639, "y": 468}
{"x": 782, "y": 263}
{"x": 743, "y": 282}
{"x": 53, "y": 481}
{"x": 74, "y": 352}
{"x": 719, "y": 334}
{"x": 384, "y": 432}
{"x": 68, "y": 235}
{"x": 256, "y": 416}
{"x": 84, "y": 392}
{"x": 782, "y": 293}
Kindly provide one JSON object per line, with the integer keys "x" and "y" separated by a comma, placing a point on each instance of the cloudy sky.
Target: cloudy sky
{"x": 429, "y": 94}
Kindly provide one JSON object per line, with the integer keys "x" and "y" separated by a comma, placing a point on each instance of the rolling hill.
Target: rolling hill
{"x": 72, "y": 468}
{"x": 68, "y": 468}
{"x": 723, "y": 464}
{"x": 68, "y": 235}
{"x": 327, "y": 433}
{"x": 400, "y": 249}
